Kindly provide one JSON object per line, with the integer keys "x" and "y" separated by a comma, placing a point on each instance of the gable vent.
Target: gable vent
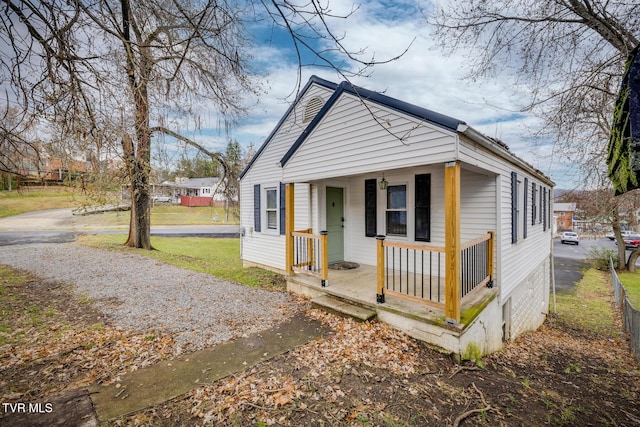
{"x": 312, "y": 108}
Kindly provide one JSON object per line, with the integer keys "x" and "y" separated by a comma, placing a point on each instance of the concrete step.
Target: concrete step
{"x": 341, "y": 307}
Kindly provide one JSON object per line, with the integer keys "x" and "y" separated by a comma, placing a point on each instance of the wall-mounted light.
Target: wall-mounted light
{"x": 383, "y": 183}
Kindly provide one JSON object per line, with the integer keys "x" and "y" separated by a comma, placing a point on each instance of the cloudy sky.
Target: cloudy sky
{"x": 424, "y": 76}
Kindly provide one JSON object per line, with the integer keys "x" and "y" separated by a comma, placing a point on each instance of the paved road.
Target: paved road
{"x": 570, "y": 260}
{"x": 58, "y": 226}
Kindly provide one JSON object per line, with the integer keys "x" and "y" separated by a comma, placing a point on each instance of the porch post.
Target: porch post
{"x": 289, "y": 195}
{"x": 380, "y": 268}
{"x": 324, "y": 257}
{"x": 452, "y": 241}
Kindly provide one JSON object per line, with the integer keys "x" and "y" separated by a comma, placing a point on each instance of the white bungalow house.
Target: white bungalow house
{"x": 449, "y": 230}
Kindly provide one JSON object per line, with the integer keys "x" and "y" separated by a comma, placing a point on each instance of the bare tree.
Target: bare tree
{"x": 569, "y": 53}
{"x": 108, "y": 64}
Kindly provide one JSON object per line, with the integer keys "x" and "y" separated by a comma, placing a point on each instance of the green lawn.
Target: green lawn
{"x": 631, "y": 282}
{"x": 588, "y": 307}
{"x": 29, "y": 199}
{"x": 218, "y": 257}
{"x": 161, "y": 215}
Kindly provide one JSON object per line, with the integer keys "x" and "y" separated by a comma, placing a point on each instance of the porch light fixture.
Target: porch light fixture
{"x": 383, "y": 183}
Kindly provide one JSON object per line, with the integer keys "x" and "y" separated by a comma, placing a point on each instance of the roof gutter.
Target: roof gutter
{"x": 500, "y": 151}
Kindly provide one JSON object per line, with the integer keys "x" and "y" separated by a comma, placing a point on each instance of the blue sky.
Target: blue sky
{"x": 423, "y": 76}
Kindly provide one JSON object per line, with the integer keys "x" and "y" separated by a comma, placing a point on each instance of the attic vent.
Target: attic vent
{"x": 312, "y": 108}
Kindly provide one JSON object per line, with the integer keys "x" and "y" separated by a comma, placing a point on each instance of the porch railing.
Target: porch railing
{"x": 413, "y": 271}
{"x": 416, "y": 271}
{"x": 476, "y": 259}
{"x": 310, "y": 254}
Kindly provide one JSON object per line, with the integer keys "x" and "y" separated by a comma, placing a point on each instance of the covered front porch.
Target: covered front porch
{"x": 422, "y": 288}
{"x": 358, "y": 286}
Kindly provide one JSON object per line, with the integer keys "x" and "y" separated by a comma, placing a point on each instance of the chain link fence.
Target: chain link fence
{"x": 630, "y": 314}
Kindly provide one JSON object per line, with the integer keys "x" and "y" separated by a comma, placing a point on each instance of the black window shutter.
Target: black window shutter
{"x": 549, "y": 210}
{"x": 524, "y": 209}
{"x": 544, "y": 209}
{"x": 423, "y": 208}
{"x": 533, "y": 203}
{"x": 283, "y": 207}
{"x": 514, "y": 207}
{"x": 540, "y": 207}
{"x": 370, "y": 208}
{"x": 256, "y": 207}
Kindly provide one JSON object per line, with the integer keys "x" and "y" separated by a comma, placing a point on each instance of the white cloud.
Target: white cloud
{"x": 422, "y": 76}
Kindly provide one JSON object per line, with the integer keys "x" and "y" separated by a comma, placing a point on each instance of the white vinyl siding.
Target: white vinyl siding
{"x": 264, "y": 248}
{"x": 349, "y": 141}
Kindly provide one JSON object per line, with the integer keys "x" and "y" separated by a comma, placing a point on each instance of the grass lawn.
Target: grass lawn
{"x": 218, "y": 257}
{"x": 588, "y": 307}
{"x": 161, "y": 215}
{"x": 631, "y": 282}
{"x": 29, "y": 199}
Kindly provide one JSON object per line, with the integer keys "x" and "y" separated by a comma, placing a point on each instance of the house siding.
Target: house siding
{"x": 478, "y": 206}
{"x": 511, "y": 270}
{"x": 349, "y": 141}
{"x": 267, "y": 248}
{"x": 355, "y": 140}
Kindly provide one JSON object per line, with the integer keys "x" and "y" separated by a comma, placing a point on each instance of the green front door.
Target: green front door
{"x": 335, "y": 224}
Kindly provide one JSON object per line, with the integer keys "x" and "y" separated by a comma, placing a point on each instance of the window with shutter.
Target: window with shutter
{"x": 272, "y": 208}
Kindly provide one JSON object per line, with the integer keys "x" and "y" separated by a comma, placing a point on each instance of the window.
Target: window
{"x": 272, "y": 208}
{"x": 396, "y": 212}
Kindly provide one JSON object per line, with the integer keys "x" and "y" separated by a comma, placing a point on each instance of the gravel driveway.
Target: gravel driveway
{"x": 141, "y": 293}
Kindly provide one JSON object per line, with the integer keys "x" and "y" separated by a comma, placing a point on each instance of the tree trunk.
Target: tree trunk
{"x": 138, "y": 157}
{"x": 140, "y": 215}
{"x": 622, "y": 251}
{"x": 631, "y": 264}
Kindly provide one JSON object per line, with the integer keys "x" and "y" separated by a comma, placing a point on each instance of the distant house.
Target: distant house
{"x": 186, "y": 192}
{"x": 197, "y": 191}
{"x": 437, "y": 229}
{"x": 564, "y": 214}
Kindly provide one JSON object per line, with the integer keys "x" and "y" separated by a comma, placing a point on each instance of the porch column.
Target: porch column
{"x": 288, "y": 226}
{"x": 452, "y": 241}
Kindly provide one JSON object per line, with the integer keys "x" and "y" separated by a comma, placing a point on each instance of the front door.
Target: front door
{"x": 335, "y": 224}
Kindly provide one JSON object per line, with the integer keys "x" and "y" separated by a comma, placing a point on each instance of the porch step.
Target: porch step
{"x": 341, "y": 307}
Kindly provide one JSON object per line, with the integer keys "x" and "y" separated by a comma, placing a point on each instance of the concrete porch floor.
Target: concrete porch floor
{"x": 358, "y": 286}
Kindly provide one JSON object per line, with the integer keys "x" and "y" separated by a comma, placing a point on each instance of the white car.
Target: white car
{"x": 569, "y": 237}
{"x": 625, "y": 235}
